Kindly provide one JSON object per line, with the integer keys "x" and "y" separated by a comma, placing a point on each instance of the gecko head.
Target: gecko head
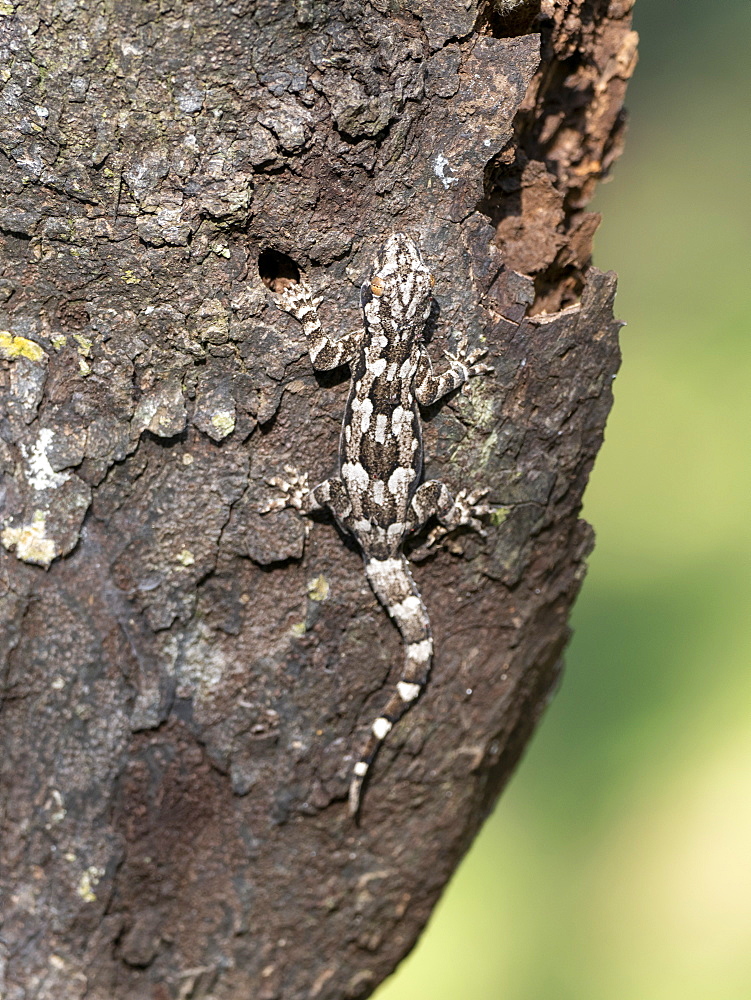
{"x": 398, "y": 293}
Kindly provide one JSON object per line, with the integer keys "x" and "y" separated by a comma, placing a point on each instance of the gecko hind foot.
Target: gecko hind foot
{"x": 468, "y": 509}
{"x": 294, "y": 490}
{"x": 465, "y": 513}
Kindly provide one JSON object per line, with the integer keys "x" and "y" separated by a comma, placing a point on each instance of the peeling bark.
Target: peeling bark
{"x": 183, "y": 679}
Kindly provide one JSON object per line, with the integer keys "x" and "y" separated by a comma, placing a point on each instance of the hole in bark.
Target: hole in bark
{"x": 277, "y": 270}
{"x": 557, "y": 288}
{"x": 508, "y": 18}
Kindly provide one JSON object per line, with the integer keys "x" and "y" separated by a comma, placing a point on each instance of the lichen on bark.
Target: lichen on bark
{"x": 184, "y": 680}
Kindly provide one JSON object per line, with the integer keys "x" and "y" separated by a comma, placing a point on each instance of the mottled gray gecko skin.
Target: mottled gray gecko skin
{"x": 377, "y": 496}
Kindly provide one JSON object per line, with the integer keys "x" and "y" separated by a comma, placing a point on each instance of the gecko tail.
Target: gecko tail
{"x": 395, "y": 588}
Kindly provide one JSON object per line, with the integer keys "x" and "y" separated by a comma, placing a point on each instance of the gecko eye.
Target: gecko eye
{"x": 432, "y": 280}
{"x": 377, "y": 286}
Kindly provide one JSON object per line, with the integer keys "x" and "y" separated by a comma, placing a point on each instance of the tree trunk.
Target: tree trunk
{"x": 185, "y": 680}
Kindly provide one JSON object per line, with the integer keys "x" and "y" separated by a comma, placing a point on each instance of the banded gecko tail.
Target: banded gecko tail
{"x": 397, "y": 591}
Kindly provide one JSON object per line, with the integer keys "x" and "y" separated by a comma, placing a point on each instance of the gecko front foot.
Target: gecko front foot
{"x": 294, "y": 490}
{"x": 469, "y": 361}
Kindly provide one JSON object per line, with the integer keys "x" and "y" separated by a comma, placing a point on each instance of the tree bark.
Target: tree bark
{"x": 185, "y": 680}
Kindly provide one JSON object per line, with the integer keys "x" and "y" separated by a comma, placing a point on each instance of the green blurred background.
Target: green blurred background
{"x": 617, "y": 866}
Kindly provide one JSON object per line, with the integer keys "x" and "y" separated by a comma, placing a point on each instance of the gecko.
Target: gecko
{"x": 378, "y": 496}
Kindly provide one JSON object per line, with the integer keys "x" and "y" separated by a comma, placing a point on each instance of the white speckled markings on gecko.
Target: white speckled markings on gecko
{"x": 377, "y": 496}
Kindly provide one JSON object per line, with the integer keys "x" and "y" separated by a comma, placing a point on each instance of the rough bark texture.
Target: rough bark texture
{"x": 183, "y": 680}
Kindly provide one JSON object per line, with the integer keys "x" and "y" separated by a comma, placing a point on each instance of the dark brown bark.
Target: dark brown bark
{"x": 183, "y": 680}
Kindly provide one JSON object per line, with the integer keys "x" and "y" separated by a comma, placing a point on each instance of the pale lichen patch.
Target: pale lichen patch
{"x": 84, "y": 344}
{"x": 39, "y": 473}
{"x": 440, "y": 166}
{"x": 161, "y": 411}
{"x": 214, "y": 413}
{"x": 84, "y": 351}
{"x": 203, "y": 667}
{"x": 55, "y": 809}
{"x": 498, "y": 515}
{"x": 223, "y": 422}
{"x": 87, "y": 883}
{"x": 212, "y": 321}
{"x": 30, "y": 541}
{"x": 12, "y": 347}
{"x": 318, "y": 588}
{"x": 220, "y": 250}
